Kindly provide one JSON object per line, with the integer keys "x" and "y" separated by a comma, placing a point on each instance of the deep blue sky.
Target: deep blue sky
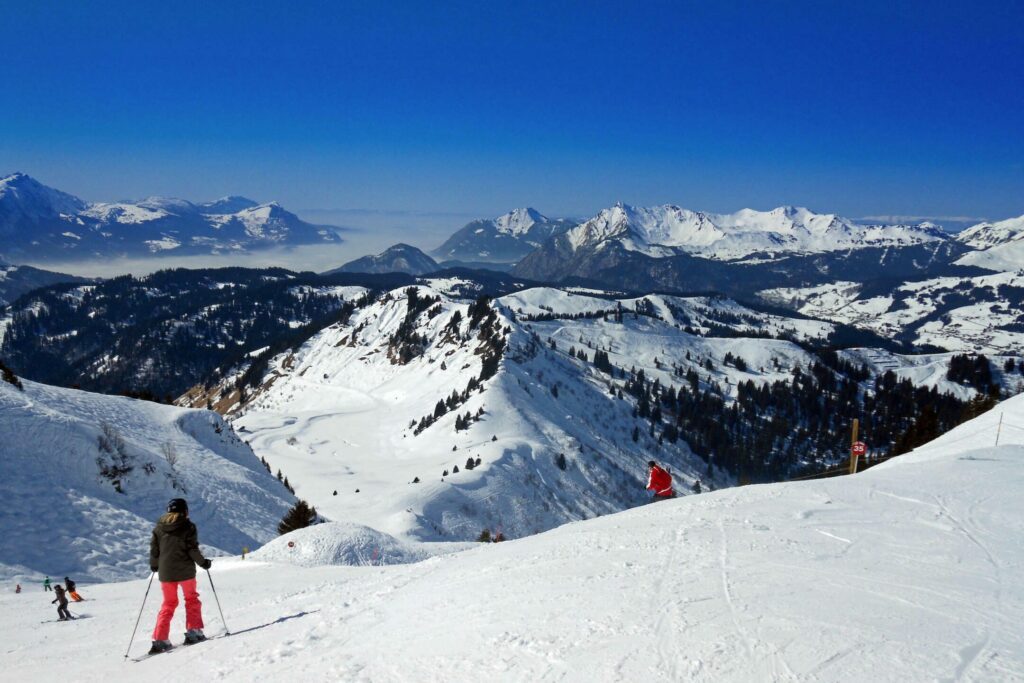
{"x": 861, "y": 108}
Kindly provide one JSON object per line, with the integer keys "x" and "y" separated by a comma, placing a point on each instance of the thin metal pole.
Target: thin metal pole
{"x": 150, "y": 585}
{"x": 999, "y": 428}
{"x": 226, "y": 630}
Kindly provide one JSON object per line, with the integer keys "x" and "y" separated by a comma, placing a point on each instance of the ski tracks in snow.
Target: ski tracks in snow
{"x": 755, "y": 646}
{"x": 671, "y": 659}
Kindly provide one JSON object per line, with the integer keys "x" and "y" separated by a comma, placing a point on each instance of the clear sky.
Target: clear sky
{"x": 862, "y": 108}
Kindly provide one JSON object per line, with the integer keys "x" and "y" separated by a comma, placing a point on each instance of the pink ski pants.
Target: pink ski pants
{"x": 193, "y": 608}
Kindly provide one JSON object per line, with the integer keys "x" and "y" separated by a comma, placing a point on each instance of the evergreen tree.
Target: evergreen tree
{"x": 299, "y": 516}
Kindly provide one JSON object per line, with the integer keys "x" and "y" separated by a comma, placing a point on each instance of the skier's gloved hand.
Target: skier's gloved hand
{"x": 206, "y": 564}
{"x": 650, "y": 493}
{"x": 154, "y": 569}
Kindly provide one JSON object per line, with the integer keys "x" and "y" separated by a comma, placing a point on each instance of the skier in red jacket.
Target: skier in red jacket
{"x": 659, "y": 482}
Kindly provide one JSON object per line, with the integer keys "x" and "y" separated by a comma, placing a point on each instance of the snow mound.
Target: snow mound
{"x": 335, "y": 543}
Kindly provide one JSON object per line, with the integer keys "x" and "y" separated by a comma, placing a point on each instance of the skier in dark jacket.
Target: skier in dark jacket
{"x": 62, "y": 608}
{"x": 174, "y": 553}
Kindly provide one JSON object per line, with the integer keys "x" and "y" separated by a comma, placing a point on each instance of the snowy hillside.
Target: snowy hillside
{"x": 979, "y": 314}
{"x": 664, "y": 230}
{"x": 63, "y": 515}
{"x": 504, "y": 239}
{"x": 909, "y": 571}
{"x": 999, "y": 245}
{"x": 554, "y": 441}
{"x": 353, "y": 411}
{"x": 41, "y": 224}
{"x": 932, "y": 370}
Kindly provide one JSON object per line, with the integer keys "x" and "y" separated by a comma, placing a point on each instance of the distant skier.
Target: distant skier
{"x": 62, "y": 608}
{"x": 46, "y": 584}
{"x": 71, "y": 590}
{"x": 659, "y": 482}
{"x": 174, "y": 553}
{"x": 17, "y": 589}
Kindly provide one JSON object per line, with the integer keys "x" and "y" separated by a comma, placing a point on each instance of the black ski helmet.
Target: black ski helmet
{"x": 177, "y": 505}
{"x": 652, "y": 464}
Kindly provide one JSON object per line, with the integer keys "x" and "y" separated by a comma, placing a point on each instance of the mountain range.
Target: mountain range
{"x": 40, "y": 224}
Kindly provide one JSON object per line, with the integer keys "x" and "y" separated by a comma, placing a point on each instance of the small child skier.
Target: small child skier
{"x": 71, "y": 590}
{"x": 62, "y": 608}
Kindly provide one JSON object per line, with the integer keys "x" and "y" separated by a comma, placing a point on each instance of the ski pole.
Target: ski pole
{"x": 226, "y": 630}
{"x": 150, "y": 585}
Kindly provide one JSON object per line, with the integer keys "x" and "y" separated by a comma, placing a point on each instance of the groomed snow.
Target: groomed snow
{"x": 911, "y": 571}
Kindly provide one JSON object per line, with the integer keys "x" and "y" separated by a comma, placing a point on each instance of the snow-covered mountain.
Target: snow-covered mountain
{"x": 998, "y": 246}
{"x": 909, "y": 571}
{"x": 983, "y": 314}
{"x": 398, "y": 258}
{"x": 26, "y": 204}
{"x": 84, "y": 477}
{"x": 43, "y": 224}
{"x": 504, "y": 239}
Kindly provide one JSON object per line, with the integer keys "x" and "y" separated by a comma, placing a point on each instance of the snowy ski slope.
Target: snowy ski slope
{"x": 910, "y": 571}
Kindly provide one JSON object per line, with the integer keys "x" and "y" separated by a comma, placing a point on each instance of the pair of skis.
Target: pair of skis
{"x": 57, "y": 621}
{"x": 183, "y": 646}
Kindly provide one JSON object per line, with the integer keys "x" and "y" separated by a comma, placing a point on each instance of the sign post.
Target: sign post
{"x": 853, "y": 447}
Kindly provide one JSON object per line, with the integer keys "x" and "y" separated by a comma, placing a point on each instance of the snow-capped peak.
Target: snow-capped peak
{"x": 229, "y": 204}
{"x": 25, "y": 198}
{"x": 171, "y": 205}
{"x": 985, "y": 235}
{"x": 998, "y": 246}
{"x": 519, "y": 221}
